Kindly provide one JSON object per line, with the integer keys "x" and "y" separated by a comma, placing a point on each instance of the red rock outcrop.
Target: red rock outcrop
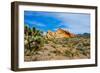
{"x": 60, "y": 33}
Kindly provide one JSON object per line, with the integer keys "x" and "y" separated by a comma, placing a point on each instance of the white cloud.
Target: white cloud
{"x": 75, "y": 22}
{"x": 40, "y": 24}
{"x": 36, "y": 23}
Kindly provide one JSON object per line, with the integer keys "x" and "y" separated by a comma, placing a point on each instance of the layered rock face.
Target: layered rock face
{"x": 60, "y": 33}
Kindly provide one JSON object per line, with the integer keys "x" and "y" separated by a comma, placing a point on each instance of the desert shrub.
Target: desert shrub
{"x": 68, "y": 53}
{"x": 86, "y": 43}
{"x": 56, "y": 52}
{"x": 53, "y": 45}
{"x": 64, "y": 45}
{"x": 46, "y": 41}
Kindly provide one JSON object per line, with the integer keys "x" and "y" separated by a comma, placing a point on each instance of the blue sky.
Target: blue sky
{"x": 74, "y": 22}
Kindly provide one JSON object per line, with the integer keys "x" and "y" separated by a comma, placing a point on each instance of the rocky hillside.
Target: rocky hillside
{"x": 60, "y": 33}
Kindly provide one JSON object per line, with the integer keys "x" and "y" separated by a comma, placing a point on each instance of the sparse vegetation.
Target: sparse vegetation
{"x": 37, "y": 47}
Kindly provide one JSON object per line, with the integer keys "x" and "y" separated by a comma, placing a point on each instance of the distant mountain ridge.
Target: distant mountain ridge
{"x": 60, "y": 33}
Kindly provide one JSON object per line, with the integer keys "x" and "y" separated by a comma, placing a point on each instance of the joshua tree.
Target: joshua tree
{"x": 34, "y": 39}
